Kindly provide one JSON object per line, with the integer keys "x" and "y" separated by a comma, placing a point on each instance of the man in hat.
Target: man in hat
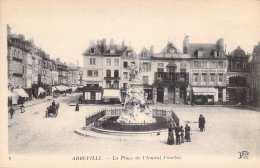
{"x": 202, "y": 123}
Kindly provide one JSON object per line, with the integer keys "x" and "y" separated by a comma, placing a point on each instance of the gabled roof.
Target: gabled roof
{"x": 149, "y": 55}
{"x": 166, "y": 49}
{"x": 97, "y": 51}
{"x": 133, "y": 56}
{"x": 206, "y": 48}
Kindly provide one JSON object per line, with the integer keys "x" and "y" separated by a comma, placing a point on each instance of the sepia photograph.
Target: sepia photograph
{"x": 130, "y": 83}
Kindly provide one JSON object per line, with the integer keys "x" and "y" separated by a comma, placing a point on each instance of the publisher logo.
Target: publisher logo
{"x": 243, "y": 155}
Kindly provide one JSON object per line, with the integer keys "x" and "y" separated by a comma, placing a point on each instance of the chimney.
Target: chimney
{"x": 21, "y": 37}
{"x": 58, "y": 60}
{"x": 8, "y": 30}
{"x": 151, "y": 49}
{"x": 104, "y": 44}
{"x": 186, "y": 43}
{"x": 123, "y": 44}
{"x": 221, "y": 44}
{"x": 111, "y": 42}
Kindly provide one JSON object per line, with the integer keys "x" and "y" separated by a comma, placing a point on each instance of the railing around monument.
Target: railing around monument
{"x": 117, "y": 112}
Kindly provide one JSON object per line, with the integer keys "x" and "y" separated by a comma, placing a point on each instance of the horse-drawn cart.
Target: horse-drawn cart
{"x": 52, "y": 110}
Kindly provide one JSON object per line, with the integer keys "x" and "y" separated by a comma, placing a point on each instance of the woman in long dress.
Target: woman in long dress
{"x": 170, "y": 140}
{"x": 187, "y": 133}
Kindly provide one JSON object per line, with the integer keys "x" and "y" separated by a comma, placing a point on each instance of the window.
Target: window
{"x": 112, "y": 50}
{"x": 129, "y": 53}
{"x": 116, "y": 62}
{"x": 220, "y": 77}
{"x": 183, "y": 65}
{"x": 90, "y": 73}
{"x": 115, "y": 73}
{"x": 145, "y": 66}
{"x": 204, "y": 77}
{"x": 125, "y": 75}
{"x": 108, "y": 84}
{"x": 92, "y": 61}
{"x": 200, "y": 53}
{"x": 116, "y": 84}
{"x": 220, "y": 64}
{"x": 212, "y": 64}
{"x": 216, "y": 53}
{"x": 125, "y": 85}
{"x": 183, "y": 72}
{"x": 125, "y": 64}
{"x": 108, "y": 62}
{"x": 212, "y": 77}
{"x": 160, "y": 65}
{"x": 95, "y": 72}
{"x": 195, "y": 77}
{"x": 159, "y": 69}
{"x": 92, "y": 50}
{"x": 108, "y": 73}
{"x": 196, "y": 64}
{"x": 144, "y": 54}
{"x": 145, "y": 80}
{"x": 203, "y": 64}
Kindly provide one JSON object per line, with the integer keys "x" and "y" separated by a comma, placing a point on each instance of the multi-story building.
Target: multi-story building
{"x": 146, "y": 72}
{"x": 171, "y": 77}
{"x": 237, "y": 78}
{"x": 111, "y": 71}
{"x": 93, "y": 71}
{"x": 16, "y": 48}
{"x": 255, "y": 75}
{"x": 208, "y": 71}
{"x": 63, "y": 72}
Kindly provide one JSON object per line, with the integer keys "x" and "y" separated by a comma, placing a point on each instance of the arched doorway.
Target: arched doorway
{"x": 183, "y": 94}
{"x": 171, "y": 94}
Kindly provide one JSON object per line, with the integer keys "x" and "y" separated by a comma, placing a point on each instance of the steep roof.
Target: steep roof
{"x": 97, "y": 51}
{"x": 206, "y": 48}
{"x": 140, "y": 55}
{"x": 170, "y": 48}
{"x": 256, "y": 49}
{"x": 119, "y": 50}
{"x": 133, "y": 56}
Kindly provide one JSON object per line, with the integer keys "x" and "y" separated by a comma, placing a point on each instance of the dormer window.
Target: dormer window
{"x": 216, "y": 53}
{"x": 112, "y": 50}
{"x": 129, "y": 53}
{"x": 200, "y": 53}
{"x": 144, "y": 54}
{"x": 172, "y": 51}
{"x": 92, "y": 50}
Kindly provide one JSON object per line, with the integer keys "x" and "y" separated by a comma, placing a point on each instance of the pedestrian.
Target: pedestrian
{"x": 77, "y": 107}
{"x": 22, "y": 108}
{"x": 182, "y": 134}
{"x": 53, "y": 103}
{"x": 170, "y": 140}
{"x": 187, "y": 133}
{"x": 11, "y": 111}
{"x": 202, "y": 123}
{"x": 177, "y": 134}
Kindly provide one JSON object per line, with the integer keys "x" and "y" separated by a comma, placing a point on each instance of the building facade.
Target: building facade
{"x": 208, "y": 67}
{"x": 238, "y": 78}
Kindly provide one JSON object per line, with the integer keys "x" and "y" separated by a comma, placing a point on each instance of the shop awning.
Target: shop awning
{"x": 10, "y": 94}
{"x": 40, "y": 90}
{"x": 204, "y": 91}
{"x": 20, "y": 92}
{"x": 54, "y": 89}
{"x": 112, "y": 93}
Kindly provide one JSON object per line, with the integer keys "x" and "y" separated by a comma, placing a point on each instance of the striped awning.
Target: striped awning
{"x": 204, "y": 91}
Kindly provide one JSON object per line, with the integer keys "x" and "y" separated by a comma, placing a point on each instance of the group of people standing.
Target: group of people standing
{"x": 179, "y": 132}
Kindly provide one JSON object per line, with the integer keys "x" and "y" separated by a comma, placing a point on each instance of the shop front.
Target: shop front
{"x": 204, "y": 95}
{"x": 19, "y": 96}
{"x": 92, "y": 94}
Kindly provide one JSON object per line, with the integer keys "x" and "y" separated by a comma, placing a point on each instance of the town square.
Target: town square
{"x": 130, "y": 83}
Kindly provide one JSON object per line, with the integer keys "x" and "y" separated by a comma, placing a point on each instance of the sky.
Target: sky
{"x": 64, "y": 28}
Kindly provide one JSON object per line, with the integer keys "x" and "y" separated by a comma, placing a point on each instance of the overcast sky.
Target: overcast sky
{"x": 64, "y": 28}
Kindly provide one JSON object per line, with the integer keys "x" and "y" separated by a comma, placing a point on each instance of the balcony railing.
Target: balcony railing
{"x": 171, "y": 77}
{"x": 238, "y": 70}
{"x": 112, "y": 78}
